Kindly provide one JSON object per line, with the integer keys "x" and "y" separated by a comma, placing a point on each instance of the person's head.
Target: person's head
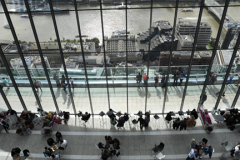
{"x": 144, "y": 73}
{"x": 194, "y": 110}
{"x": 3, "y": 78}
{"x": 106, "y": 137}
{"x": 181, "y": 71}
{"x": 70, "y": 77}
{"x": 232, "y": 71}
{"x": 170, "y": 113}
{"x": 209, "y": 146}
{"x": 195, "y": 151}
{"x": 61, "y": 141}
{"x": 193, "y": 140}
{"x": 100, "y": 144}
{"x": 176, "y": 71}
{"x": 110, "y": 110}
{"x": 178, "y": 119}
{"x": 53, "y": 155}
{"x": 86, "y": 113}
{"x": 63, "y": 76}
{"x": 45, "y": 147}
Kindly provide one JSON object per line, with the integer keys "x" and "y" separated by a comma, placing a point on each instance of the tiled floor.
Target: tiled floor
{"x": 135, "y": 144}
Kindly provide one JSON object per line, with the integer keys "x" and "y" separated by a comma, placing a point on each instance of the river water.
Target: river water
{"x": 138, "y": 20}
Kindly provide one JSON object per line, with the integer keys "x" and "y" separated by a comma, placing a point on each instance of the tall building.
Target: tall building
{"x": 189, "y": 28}
{"x": 160, "y": 40}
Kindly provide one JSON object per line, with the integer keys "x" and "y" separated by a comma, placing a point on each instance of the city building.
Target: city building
{"x": 34, "y": 64}
{"x": 116, "y": 47}
{"x": 160, "y": 40}
{"x": 189, "y": 28}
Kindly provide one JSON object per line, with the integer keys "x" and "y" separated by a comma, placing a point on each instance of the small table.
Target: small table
{"x": 54, "y": 148}
{"x": 219, "y": 118}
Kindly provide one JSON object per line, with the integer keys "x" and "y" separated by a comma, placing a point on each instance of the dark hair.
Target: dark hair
{"x": 86, "y": 112}
{"x": 138, "y": 73}
{"x": 45, "y": 147}
{"x": 106, "y": 137}
{"x": 61, "y": 141}
{"x": 209, "y": 146}
{"x": 110, "y": 109}
{"x": 53, "y": 156}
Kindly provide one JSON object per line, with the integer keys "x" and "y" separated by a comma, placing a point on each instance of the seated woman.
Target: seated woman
{"x": 194, "y": 113}
{"x": 63, "y": 144}
{"x": 113, "y": 120}
{"x": 116, "y": 143}
{"x": 193, "y": 144}
{"x": 108, "y": 140}
{"x": 176, "y": 124}
{"x": 50, "y": 142}
{"x": 168, "y": 117}
{"x": 58, "y": 136}
{"x": 47, "y": 152}
{"x": 66, "y": 116}
{"x": 105, "y": 154}
{"x": 147, "y": 120}
{"x": 191, "y": 122}
{"x": 46, "y": 122}
{"x": 209, "y": 151}
{"x": 86, "y": 116}
{"x": 121, "y": 122}
{"x": 100, "y": 145}
{"x": 126, "y": 117}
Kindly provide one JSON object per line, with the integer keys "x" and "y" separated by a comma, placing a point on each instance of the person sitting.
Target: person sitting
{"x": 58, "y": 136}
{"x": 105, "y": 154}
{"x": 46, "y": 122}
{"x": 26, "y": 129}
{"x": 63, "y": 144}
{"x": 159, "y": 148}
{"x": 50, "y": 142}
{"x": 55, "y": 157}
{"x": 113, "y": 120}
{"x": 234, "y": 150}
{"x": 49, "y": 115}
{"x": 108, "y": 140}
{"x": 110, "y": 113}
{"x": 142, "y": 122}
{"x": 114, "y": 151}
{"x": 191, "y": 122}
{"x": 15, "y": 152}
{"x": 193, "y": 144}
{"x": 126, "y": 117}
{"x": 121, "y": 122}
{"x": 183, "y": 124}
{"x": 86, "y": 116}
{"x": 11, "y": 112}
{"x": 176, "y": 124}
{"x": 209, "y": 151}
{"x": 4, "y": 125}
{"x": 147, "y": 120}
{"x": 100, "y": 145}
{"x": 192, "y": 155}
{"x": 66, "y": 116}
{"x": 116, "y": 143}
{"x": 194, "y": 113}
{"x": 47, "y": 152}
{"x": 168, "y": 118}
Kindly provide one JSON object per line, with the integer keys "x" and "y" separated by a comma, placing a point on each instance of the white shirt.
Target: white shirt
{"x": 232, "y": 74}
{"x": 237, "y": 148}
{"x": 192, "y": 154}
{"x": 71, "y": 80}
{"x": 64, "y": 144}
{"x": 56, "y": 158}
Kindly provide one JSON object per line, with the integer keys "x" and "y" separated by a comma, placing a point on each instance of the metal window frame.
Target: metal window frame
{"x": 170, "y": 56}
{"x": 20, "y": 52}
{"x": 228, "y": 72}
{"x": 192, "y": 54}
{"x": 83, "y": 56}
{"x": 12, "y": 79}
{"x": 149, "y": 42}
{"x": 126, "y": 53}
{"x": 236, "y": 98}
{"x": 214, "y": 51}
{"x": 41, "y": 54}
{"x": 104, "y": 53}
{"x": 61, "y": 53}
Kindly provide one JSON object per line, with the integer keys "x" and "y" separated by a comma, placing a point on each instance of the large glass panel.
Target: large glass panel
{"x": 3, "y": 106}
{"x": 118, "y": 95}
{"x": 136, "y": 99}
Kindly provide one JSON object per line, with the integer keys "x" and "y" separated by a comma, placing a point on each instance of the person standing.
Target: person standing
{"x": 176, "y": 76}
{"x": 71, "y": 81}
{"x": 37, "y": 84}
{"x": 203, "y": 98}
{"x": 145, "y": 78}
{"x": 142, "y": 122}
{"x": 163, "y": 81}
{"x": 181, "y": 78}
{"x": 63, "y": 79}
{"x": 231, "y": 77}
{"x": 56, "y": 78}
{"x": 139, "y": 78}
{"x": 192, "y": 155}
{"x": 156, "y": 79}
{"x": 5, "y": 82}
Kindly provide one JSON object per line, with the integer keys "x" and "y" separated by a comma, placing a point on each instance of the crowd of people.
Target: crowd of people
{"x": 111, "y": 147}
{"x": 188, "y": 122}
{"x": 232, "y": 117}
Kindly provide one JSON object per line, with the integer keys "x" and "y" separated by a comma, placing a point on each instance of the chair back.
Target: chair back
{"x": 161, "y": 146}
{"x": 160, "y": 156}
{"x": 96, "y": 145}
